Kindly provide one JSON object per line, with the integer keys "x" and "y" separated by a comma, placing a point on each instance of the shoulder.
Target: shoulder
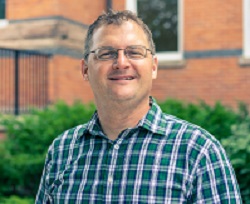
{"x": 200, "y": 146}
{"x": 177, "y": 131}
{"x": 165, "y": 124}
{"x": 190, "y": 138}
{"x": 187, "y": 131}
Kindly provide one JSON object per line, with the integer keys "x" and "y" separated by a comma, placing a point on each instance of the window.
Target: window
{"x": 164, "y": 18}
{"x": 3, "y": 21}
{"x": 246, "y": 26}
{"x": 2, "y": 9}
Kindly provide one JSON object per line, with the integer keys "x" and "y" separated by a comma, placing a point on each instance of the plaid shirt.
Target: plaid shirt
{"x": 162, "y": 160}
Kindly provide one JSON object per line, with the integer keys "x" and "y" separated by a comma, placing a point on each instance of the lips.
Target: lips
{"x": 121, "y": 77}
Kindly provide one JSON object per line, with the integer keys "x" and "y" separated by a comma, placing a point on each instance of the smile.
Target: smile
{"x": 122, "y": 78}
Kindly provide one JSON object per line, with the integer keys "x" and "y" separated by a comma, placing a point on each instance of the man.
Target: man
{"x": 131, "y": 152}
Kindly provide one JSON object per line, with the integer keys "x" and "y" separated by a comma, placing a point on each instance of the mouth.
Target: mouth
{"x": 126, "y": 78}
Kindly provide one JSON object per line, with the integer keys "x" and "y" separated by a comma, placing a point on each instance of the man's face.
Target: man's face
{"x": 120, "y": 79}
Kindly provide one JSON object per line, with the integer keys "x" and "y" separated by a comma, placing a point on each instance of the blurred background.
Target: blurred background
{"x": 203, "y": 49}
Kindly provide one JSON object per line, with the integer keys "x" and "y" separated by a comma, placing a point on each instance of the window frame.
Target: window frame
{"x": 246, "y": 29}
{"x": 168, "y": 55}
{"x": 3, "y": 21}
{"x": 4, "y": 9}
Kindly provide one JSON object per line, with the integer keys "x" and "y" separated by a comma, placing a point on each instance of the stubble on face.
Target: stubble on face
{"x": 131, "y": 79}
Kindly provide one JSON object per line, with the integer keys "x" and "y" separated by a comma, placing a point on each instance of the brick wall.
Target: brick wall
{"x": 209, "y": 79}
{"x": 212, "y": 24}
{"x": 66, "y": 81}
{"x": 84, "y": 11}
{"x": 2, "y": 134}
{"x": 208, "y": 26}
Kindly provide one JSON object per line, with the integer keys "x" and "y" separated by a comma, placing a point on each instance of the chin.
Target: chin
{"x": 122, "y": 96}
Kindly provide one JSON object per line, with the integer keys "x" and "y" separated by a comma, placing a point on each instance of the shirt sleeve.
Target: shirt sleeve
{"x": 42, "y": 196}
{"x": 215, "y": 180}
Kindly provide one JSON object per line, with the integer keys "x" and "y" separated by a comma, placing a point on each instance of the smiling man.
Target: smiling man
{"x": 120, "y": 69}
{"x": 130, "y": 151}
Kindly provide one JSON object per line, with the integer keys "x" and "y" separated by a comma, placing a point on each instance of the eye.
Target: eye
{"x": 106, "y": 53}
{"x": 135, "y": 52}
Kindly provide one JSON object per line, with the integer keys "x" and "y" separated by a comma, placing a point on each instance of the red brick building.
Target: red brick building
{"x": 209, "y": 58}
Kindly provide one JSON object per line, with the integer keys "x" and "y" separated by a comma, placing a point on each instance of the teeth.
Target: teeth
{"x": 129, "y": 78}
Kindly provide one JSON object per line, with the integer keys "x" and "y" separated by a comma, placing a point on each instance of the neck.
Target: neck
{"x": 116, "y": 117}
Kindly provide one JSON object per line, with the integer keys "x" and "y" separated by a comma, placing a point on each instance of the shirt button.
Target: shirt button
{"x": 116, "y": 146}
{"x": 61, "y": 177}
{"x": 110, "y": 179}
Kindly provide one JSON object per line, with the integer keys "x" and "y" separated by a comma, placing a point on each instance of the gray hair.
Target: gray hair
{"x": 116, "y": 18}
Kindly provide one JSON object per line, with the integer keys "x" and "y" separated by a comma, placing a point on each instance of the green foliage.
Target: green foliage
{"x": 217, "y": 119}
{"x": 16, "y": 200}
{"x": 237, "y": 147}
{"x": 23, "y": 152}
{"x": 28, "y": 138}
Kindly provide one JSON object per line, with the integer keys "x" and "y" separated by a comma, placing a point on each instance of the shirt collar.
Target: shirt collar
{"x": 94, "y": 126}
{"x": 153, "y": 121}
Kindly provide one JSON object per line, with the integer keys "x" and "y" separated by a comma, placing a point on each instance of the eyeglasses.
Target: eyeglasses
{"x": 132, "y": 52}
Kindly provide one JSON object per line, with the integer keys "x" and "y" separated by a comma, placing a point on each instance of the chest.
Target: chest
{"x": 120, "y": 172}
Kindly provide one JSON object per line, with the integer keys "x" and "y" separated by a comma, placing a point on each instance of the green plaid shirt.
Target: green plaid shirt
{"x": 162, "y": 160}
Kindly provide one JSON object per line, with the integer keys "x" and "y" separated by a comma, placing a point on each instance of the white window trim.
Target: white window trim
{"x": 3, "y": 23}
{"x": 246, "y": 28}
{"x": 167, "y": 56}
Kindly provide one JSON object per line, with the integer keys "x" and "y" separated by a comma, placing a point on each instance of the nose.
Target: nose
{"x": 121, "y": 62}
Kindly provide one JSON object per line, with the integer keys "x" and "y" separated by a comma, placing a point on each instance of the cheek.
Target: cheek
{"x": 147, "y": 70}
{"x": 97, "y": 75}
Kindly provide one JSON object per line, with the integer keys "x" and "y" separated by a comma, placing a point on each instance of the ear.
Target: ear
{"x": 84, "y": 68}
{"x": 154, "y": 67}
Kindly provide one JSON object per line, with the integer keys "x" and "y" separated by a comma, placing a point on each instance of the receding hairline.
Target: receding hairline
{"x": 116, "y": 18}
{"x": 106, "y": 25}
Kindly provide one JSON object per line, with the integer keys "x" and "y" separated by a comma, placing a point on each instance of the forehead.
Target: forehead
{"x": 128, "y": 33}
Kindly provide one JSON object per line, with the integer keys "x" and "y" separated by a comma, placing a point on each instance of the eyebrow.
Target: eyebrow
{"x": 106, "y": 47}
{"x": 110, "y": 47}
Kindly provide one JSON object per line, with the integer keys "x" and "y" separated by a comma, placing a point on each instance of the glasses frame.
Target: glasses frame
{"x": 124, "y": 50}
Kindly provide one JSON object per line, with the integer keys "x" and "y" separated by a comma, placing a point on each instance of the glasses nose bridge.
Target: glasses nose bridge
{"x": 124, "y": 52}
